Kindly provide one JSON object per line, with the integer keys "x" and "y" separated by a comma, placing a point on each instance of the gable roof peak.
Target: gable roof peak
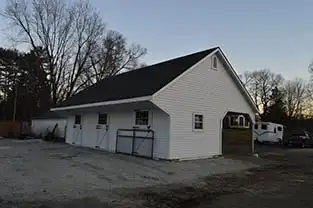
{"x": 137, "y": 83}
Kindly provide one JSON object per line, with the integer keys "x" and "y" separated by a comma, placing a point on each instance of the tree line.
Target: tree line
{"x": 69, "y": 48}
{"x": 279, "y": 99}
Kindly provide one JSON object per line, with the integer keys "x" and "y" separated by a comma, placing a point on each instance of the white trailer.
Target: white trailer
{"x": 268, "y": 132}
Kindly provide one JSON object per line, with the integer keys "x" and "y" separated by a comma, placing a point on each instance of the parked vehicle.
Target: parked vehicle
{"x": 299, "y": 138}
{"x": 268, "y": 132}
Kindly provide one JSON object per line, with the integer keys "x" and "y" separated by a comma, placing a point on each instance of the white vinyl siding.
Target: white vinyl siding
{"x": 122, "y": 117}
{"x": 211, "y": 92}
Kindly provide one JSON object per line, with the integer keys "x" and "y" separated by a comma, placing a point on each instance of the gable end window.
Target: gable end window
{"x": 214, "y": 62}
{"x": 102, "y": 119}
{"x": 142, "y": 118}
{"x": 264, "y": 127}
{"x": 198, "y": 122}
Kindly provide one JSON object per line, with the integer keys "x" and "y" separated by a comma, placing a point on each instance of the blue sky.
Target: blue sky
{"x": 254, "y": 34}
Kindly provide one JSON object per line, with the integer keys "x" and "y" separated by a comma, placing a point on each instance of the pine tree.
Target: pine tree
{"x": 276, "y": 112}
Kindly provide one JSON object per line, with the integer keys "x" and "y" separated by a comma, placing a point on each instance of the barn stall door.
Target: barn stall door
{"x": 137, "y": 142}
{"x": 78, "y": 130}
{"x": 237, "y": 138}
{"x": 102, "y": 129}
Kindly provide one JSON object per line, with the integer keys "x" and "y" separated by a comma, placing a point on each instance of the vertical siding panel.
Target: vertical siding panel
{"x": 69, "y": 129}
{"x": 89, "y": 121}
{"x": 161, "y": 126}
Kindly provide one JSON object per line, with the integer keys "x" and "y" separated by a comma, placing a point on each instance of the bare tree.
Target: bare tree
{"x": 112, "y": 57}
{"x": 72, "y": 35}
{"x": 296, "y": 96}
{"x": 246, "y": 78}
{"x": 260, "y": 83}
{"x": 250, "y": 81}
{"x": 68, "y": 33}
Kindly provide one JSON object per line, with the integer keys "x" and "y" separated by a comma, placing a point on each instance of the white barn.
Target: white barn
{"x": 44, "y": 123}
{"x": 170, "y": 110}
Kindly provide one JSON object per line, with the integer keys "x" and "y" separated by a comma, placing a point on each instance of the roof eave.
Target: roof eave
{"x": 105, "y": 103}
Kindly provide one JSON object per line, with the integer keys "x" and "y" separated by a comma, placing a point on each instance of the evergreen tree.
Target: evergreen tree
{"x": 24, "y": 84}
{"x": 276, "y": 112}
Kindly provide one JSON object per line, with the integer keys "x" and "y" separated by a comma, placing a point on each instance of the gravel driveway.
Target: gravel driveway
{"x": 35, "y": 172}
{"x": 286, "y": 182}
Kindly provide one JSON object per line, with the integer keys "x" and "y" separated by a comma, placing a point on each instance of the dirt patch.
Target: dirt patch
{"x": 270, "y": 186}
{"x": 207, "y": 190}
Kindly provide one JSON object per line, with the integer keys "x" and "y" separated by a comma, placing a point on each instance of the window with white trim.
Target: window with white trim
{"x": 197, "y": 121}
{"x": 102, "y": 119}
{"x": 142, "y": 118}
{"x": 214, "y": 62}
{"x": 78, "y": 119}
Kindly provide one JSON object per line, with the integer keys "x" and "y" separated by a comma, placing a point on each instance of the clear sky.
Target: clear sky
{"x": 273, "y": 34}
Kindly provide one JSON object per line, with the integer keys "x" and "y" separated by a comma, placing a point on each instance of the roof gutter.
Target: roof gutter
{"x": 113, "y": 102}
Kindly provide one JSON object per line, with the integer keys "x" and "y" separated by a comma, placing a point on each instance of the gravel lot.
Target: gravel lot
{"x": 39, "y": 174}
{"x": 286, "y": 182}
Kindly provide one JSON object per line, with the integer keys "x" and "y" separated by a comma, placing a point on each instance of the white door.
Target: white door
{"x": 102, "y": 129}
{"x": 77, "y": 130}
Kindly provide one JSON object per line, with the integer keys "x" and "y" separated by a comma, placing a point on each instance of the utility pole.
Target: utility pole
{"x": 14, "y": 104}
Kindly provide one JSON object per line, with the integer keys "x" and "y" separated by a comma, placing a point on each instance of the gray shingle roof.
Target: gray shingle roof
{"x": 137, "y": 83}
{"x": 48, "y": 115}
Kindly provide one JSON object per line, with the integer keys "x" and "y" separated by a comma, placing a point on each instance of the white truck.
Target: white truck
{"x": 268, "y": 132}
